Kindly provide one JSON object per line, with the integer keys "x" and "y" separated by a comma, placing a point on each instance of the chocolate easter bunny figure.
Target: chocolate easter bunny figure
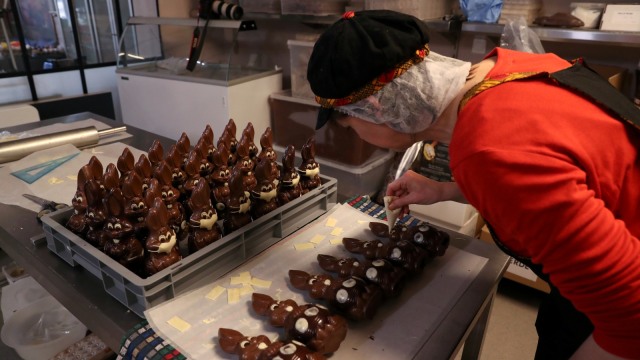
{"x": 381, "y": 272}
{"x": 311, "y": 324}
{"x": 111, "y": 177}
{"x": 125, "y": 163}
{"x": 267, "y": 151}
{"x": 264, "y": 195}
{"x": 427, "y": 237}
{"x": 161, "y": 244}
{"x": 143, "y": 168}
{"x": 202, "y": 148}
{"x": 76, "y": 222}
{"x": 261, "y": 348}
{"x": 228, "y": 138}
{"x": 156, "y": 154}
{"x": 238, "y": 207}
{"x": 96, "y": 213}
{"x": 176, "y": 161}
{"x": 246, "y": 165}
{"x": 401, "y": 253}
{"x": 193, "y": 177}
{"x": 170, "y": 195}
{"x": 289, "y": 187}
{"x": 122, "y": 244}
{"x": 183, "y": 145}
{"x": 203, "y": 227}
{"x": 249, "y": 133}
{"x": 309, "y": 168}
{"x": 220, "y": 180}
{"x": 351, "y": 296}
{"x": 207, "y": 138}
{"x": 135, "y": 209}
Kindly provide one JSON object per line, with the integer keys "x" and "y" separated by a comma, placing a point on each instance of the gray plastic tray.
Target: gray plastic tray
{"x": 197, "y": 269}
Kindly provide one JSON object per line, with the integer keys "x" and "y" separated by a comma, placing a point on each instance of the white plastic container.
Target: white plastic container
{"x": 447, "y": 212}
{"x": 42, "y": 329}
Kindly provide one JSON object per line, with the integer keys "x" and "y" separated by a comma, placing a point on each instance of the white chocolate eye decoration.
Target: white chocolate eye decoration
{"x": 91, "y": 214}
{"x": 164, "y": 194}
{"x": 265, "y": 188}
{"x": 174, "y": 176}
{"x": 210, "y": 213}
{"x": 349, "y": 283}
{"x": 245, "y": 163}
{"x": 380, "y": 244}
{"x": 144, "y": 187}
{"x": 312, "y": 281}
{"x": 168, "y": 234}
{"x": 302, "y": 325}
{"x": 312, "y": 311}
{"x": 356, "y": 264}
{"x": 134, "y": 207}
{"x": 227, "y": 172}
{"x": 110, "y": 226}
{"x": 141, "y": 205}
{"x": 396, "y": 253}
{"x": 372, "y": 273}
{"x": 288, "y": 349}
{"x": 274, "y": 306}
{"x": 222, "y": 173}
{"x": 79, "y": 198}
{"x": 203, "y": 167}
{"x": 203, "y": 214}
{"x": 342, "y": 296}
{"x": 117, "y": 226}
{"x": 244, "y": 344}
{"x": 170, "y": 193}
{"x": 162, "y": 238}
{"x": 378, "y": 262}
{"x": 418, "y": 237}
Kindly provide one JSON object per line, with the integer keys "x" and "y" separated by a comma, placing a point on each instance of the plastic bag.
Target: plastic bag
{"x": 518, "y": 36}
{"x": 486, "y": 11}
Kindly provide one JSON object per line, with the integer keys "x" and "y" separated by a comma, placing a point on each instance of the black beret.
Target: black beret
{"x": 359, "y": 47}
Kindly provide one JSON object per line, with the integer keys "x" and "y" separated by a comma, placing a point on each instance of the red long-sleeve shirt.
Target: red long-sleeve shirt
{"x": 559, "y": 180}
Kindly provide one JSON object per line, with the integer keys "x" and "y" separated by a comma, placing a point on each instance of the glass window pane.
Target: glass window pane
{"x": 11, "y": 60}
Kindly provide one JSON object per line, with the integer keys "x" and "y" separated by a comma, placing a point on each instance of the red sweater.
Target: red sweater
{"x": 559, "y": 180}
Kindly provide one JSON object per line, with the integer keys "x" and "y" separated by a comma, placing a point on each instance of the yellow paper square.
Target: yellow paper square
{"x": 179, "y": 324}
{"x": 246, "y": 289}
{"x": 336, "y": 241}
{"x": 336, "y": 231}
{"x": 304, "y": 246}
{"x": 215, "y": 292}
{"x": 331, "y": 222}
{"x": 233, "y": 295}
{"x": 242, "y": 278}
{"x": 261, "y": 283}
{"x": 317, "y": 239}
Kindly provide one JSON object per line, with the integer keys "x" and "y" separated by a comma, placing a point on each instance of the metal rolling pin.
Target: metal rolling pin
{"x": 82, "y": 137}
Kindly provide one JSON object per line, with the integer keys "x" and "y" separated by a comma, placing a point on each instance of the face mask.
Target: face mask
{"x": 208, "y": 223}
{"x": 415, "y": 99}
{"x": 166, "y": 247}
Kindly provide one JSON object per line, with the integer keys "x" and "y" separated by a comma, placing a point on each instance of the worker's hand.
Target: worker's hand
{"x": 413, "y": 188}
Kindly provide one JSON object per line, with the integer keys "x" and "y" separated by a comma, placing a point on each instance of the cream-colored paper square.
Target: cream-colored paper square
{"x": 260, "y": 283}
{"x": 317, "y": 239}
{"x": 336, "y": 231}
{"x": 331, "y": 222}
{"x": 304, "y": 246}
{"x": 215, "y": 292}
{"x": 179, "y": 324}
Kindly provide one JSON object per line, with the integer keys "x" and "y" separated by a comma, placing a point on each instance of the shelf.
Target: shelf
{"x": 240, "y": 25}
{"x": 627, "y": 39}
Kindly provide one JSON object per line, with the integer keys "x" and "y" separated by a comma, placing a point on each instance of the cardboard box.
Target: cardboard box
{"x": 517, "y": 271}
{"x": 614, "y": 74}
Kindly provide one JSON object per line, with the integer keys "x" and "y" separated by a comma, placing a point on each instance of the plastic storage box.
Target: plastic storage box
{"x": 293, "y": 121}
{"x": 195, "y": 270}
{"x": 313, "y": 7}
{"x": 261, "y": 6}
{"x": 433, "y": 9}
{"x": 365, "y": 179}
{"x": 300, "y": 52}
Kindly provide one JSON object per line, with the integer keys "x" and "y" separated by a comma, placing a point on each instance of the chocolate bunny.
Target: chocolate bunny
{"x": 145, "y": 171}
{"x": 203, "y": 229}
{"x": 161, "y": 244}
{"x": 76, "y": 222}
{"x": 261, "y": 348}
{"x": 248, "y": 134}
{"x": 183, "y": 145}
{"x": 264, "y": 195}
{"x": 110, "y": 178}
{"x": 352, "y": 296}
{"x": 309, "y": 169}
{"x": 310, "y": 324}
{"x": 229, "y": 134}
{"x": 267, "y": 151}
{"x": 401, "y": 253}
{"x": 155, "y": 154}
{"x": 136, "y": 208}
{"x": 289, "y": 187}
{"x": 389, "y": 277}
{"x": 95, "y": 214}
{"x": 122, "y": 245}
{"x": 434, "y": 241}
{"x": 245, "y": 165}
{"x": 207, "y": 138}
{"x": 170, "y": 195}
{"x": 176, "y": 160}
{"x": 238, "y": 207}
{"x": 220, "y": 179}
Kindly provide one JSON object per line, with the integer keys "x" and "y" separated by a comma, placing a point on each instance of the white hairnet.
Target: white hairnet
{"x": 412, "y": 101}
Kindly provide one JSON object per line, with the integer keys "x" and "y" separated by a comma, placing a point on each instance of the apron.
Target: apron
{"x": 561, "y": 328}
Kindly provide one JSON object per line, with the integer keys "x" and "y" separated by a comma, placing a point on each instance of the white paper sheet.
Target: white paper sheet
{"x": 419, "y": 309}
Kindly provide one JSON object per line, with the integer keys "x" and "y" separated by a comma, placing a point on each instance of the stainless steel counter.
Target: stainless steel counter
{"x": 83, "y": 295}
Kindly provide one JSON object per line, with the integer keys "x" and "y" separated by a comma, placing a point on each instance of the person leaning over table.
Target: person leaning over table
{"x": 555, "y": 174}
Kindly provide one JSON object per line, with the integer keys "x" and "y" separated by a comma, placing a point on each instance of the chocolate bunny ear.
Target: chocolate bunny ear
{"x": 261, "y": 303}
{"x": 207, "y": 135}
{"x": 156, "y": 153}
{"x": 202, "y": 148}
{"x": 111, "y": 177}
{"x": 266, "y": 140}
{"x": 153, "y": 192}
{"x": 236, "y": 184}
{"x": 299, "y": 279}
{"x": 143, "y": 167}
{"x": 158, "y": 216}
{"x": 243, "y": 147}
{"x": 249, "y": 132}
{"x": 353, "y": 245}
{"x": 229, "y": 339}
{"x": 84, "y": 174}
{"x": 379, "y": 229}
{"x": 132, "y": 185}
{"x": 221, "y": 155}
{"x": 114, "y": 202}
{"x": 125, "y": 161}
{"x": 163, "y": 173}
{"x": 289, "y": 157}
{"x": 308, "y": 150}
{"x": 192, "y": 166}
{"x": 183, "y": 144}
{"x": 201, "y": 196}
{"x": 96, "y": 168}
{"x": 327, "y": 262}
{"x": 93, "y": 192}
{"x": 174, "y": 156}
{"x": 231, "y": 128}
{"x": 263, "y": 170}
